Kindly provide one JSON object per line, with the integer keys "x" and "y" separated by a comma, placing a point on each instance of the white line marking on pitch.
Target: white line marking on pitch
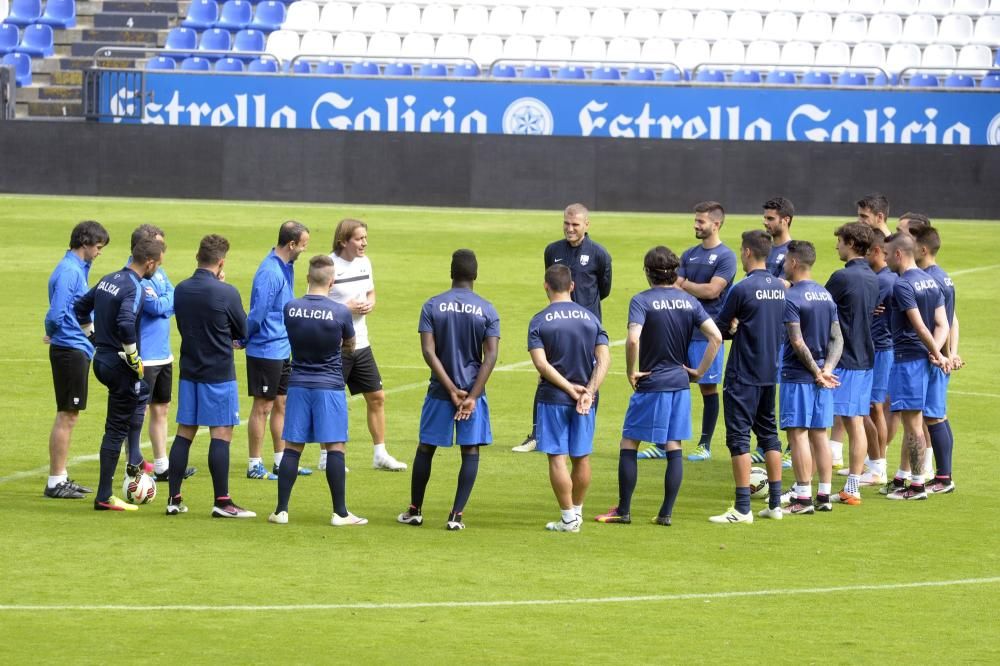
{"x": 966, "y": 271}
{"x": 501, "y": 603}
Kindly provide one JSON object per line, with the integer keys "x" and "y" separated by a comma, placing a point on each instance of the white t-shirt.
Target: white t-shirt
{"x": 352, "y": 283}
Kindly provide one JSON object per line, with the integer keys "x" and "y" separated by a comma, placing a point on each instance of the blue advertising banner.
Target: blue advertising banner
{"x": 492, "y": 106}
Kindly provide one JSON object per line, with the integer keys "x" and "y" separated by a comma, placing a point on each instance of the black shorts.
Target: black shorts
{"x": 267, "y": 378}
{"x": 70, "y": 377}
{"x": 161, "y": 380}
{"x": 361, "y": 372}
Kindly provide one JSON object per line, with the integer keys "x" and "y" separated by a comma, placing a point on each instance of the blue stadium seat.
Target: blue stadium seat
{"x": 672, "y": 75}
{"x": 466, "y": 69}
{"x": 605, "y": 73}
{"x": 36, "y": 40}
{"x": 235, "y": 15}
{"x": 364, "y": 68}
{"x": 817, "y": 79}
{"x": 181, "y": 39}
{"x": 301, "y": 67}
{"x": 195, "y": 64}
{"x": 570, "y": 72}
{"x": 215, "y": 39}
{"x": 991, "y": 80}
{"x": 432, "y": 69}
{"x": 921, "y": 80}
{"x": 959, "y": 81}
{"x": 268, "y": 66}
{"x": 329, "y": 67}
{"x": 781, "y": 76}
{"x": 640, "y": 74}
{"x": 161, "y": 63}
{"x": 852, "y": 79}
{"x": 501, "y": 71}
{"x": 710, "y": 76}
{"x": 9, "y": 38}
{"x": 883, "y": 80}
{"x": 536, "y": 72}
{"x": 398, "y": 69}
{"x": 24, "y": 12}
{"x": 269, "y": 16}
{"x": 248, "y": 40}
{"x": 59, "y": 14}
{"x": 202, "y": 14}
{"x": 745, "y": 76}
{"x": 229, "y": 65}
{"x": 22, "y": 67}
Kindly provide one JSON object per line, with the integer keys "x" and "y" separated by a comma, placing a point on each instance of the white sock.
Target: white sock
{"x": 852, "y": 485}
{"x": 568, "y": 515}
{"x": 379, "y": 451}
{"x": 161, "y": 465}
{"x": 578, "y": 509}
{"x": 836, "y": 450}
{"x": 57, "y": 479}
{"x": 916, "y": 480}
{"x": 880, "y": 466}
{"x": 277, "y": 458}
{"x": 902, "y": 474}
{"x": 322, "y": 457}
{"x": 802, "y": 490}
{"x": 253, "y": 462}
{"x": 825, "y": 489}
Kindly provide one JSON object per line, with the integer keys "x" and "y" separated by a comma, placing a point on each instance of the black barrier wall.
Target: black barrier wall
{"x": 490, "y": 171}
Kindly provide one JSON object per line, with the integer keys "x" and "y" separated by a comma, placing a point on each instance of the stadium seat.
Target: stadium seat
{"x": 484, "y": 49}
{"x": 24, "y": 12}
{"x": 901, "y": 56}
{"x": 658, "y": 50}
{"x": 676, "y": 24}
{"x": 262, "y": 66}
{"x": 215, "y": 39}
{"x": 780, "y": 26}
{"x": 710, "y": 24}
{"x": 417, "y": 45}
{"x": 398, "y": 69}
{"x": 607, "y": 22}
{"x": 921, "y": 80}
{"x": 22, "y": 68}
{"x": 815, "y": 27}
{"x": 852, "y": 79}
{"x": 624, "y": 49}
{"x": 745, "y": 26}
{"x": 570, "y": 72}
{"x": 554, "y": 47}
{"x": 437, "y": 19}
{"x": 339, "y": 16}
{"x": 641, "y": 23}
{"x": 505, "y": 20}
{"x": 640, "y": 74}
{"x": 959, "y": 81}
{"x": 161, "y": 63}
{"x": 851, "y": 28}
{"x": 303, "y": 16}
{"x": 369, "y": 17}
{"x": 832, "y": 54}
{"x": 317, "y": 42}
{"x": 249, "y": 40}
{"x": 350, "y": 44}
{"x": 919, "y": 29}
{"x": 975, "y": 55}
{"x": 673, "y": 75}
{"x": 329, "y": 67}
{"x": 866, "y": 7}
{"x": 971, "y": 7}
{"x": 384, "y": 45}
{"x": 936, "y": 8}
{"x": 882, "y": 80}
{"x": 471, "y": 20}
{"x": 235, "y": 15}
{"x": 229, "y": 65}
{"x": 36, "y": 40}
{"x": 727, "y": 51}
{"x": 606, "y": 74}
{"x": 901, "y": 7}
{"x": 432, "y": 70}
{"x": 503, "y": 71}
{"x": 466, "y": 70}
{"x": 745, "y": 76}
{"x": 196, "y": 64}
{"x": 939, "y": 55}
{"x": 9, "y": 38}
{"x": 955, "y": 29}
{"x": 817, "y": 79}
{"x": 181, "y": 39}
{"x": 536, "y": 72}
{"x": 283, "y": 44}
{"x": 269, "y": 16}
{"x": 797, "y": 6}
{"x": 4, "y": 10}
{"x": 987, "y": 30}
{"x": 590, "y": 48}
{"x": 798, "y": 53}
{"x": 763, "y": 52}
{"x": 991, "y": 80}
{"x": 517, "y": 47}
{"x": 202, "y": 14}
{"x": 363, "y": 68}
{"x": 781, "y": 77}
{"x": 868, "y": 54}
{"x": 59, "y": 14}
{"x": 301, "y": 67}
{"x": 706, "y": 75}
{"x": 572, "y": 21}
{"x": 885, "y": 28}
{"x": 691, "y": 52}
{"x": 451, "y": 46}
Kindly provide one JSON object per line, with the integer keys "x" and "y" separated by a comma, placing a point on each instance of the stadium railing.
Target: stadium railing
{"x": 7, "y": 92}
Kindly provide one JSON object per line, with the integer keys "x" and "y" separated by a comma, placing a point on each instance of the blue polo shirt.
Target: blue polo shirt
{"x": 317, "y": 327}
{"x": 758, "y": 301}
{"x": 157, "y": 309}
{"x": 209, "y": 316}
{"x": 881, "y": 333}
{"x": 669, "y": 317}
{"x": 568, "y": 333}
{"x": 700, "y": 265}
{"x": 776, "y": 260}
{"x": 812, "y": 308}
{"x": 590, "y": 265}
{"x": 855, "y": 291}
{"x": 947, "y": 288}
{"x": 114, "y": 301}
{"x": 67, "y": 283}
{"x": 272, "y": 289}
{"x": 913, "y": 289}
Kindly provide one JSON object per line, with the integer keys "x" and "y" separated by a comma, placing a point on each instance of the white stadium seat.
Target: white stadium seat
{"x": 505, "y": 20}
{"x": 573, "y": 21}
{"x": 607, "y": 22}
{"x": 658, "y": 49}
{"x": 902, "y": 56}
{"x": 975, "y": 55}
{"x": 336, "y": 17}
{"x": 939, "y": 55}
{"x": 955, "y": 29}
{"x": 710, "y": 24}
{"x": 866, "y": 7}
{"x": 590, "y": 47}
{"x": 555, "y": 47}
{"x": 437, "y": 19}
{"x": 780, "y": 26}
{"x": 971, "y": 7}
{"x": 815, "y": 27}
{"x": 798, "y": 53}
{"x": 539, "y": 20}
{"x": 987, "y": 30}
{"x": 833, "y": 53}
{"x": 624, "y": 49}
{"x": 919, "y": 29}
{"x": 4, "y": 9}
{"x": 901, "y": 7}
{"x": 691, "y": 52}
{"x": 728, "y": 52}
{"x": 676, "y": 24}
{"x": 484, "y": 49}
{"x": 762, "y": 6}
{"x": 868, "y": 54}
{"x": 471, "y": 20}
{"x": 936, "y": 7}
{"x": 317, "y": 42}
{"x": 384, "y": 45}
{"x": 745, "y": 26}
{"x": 885, "y": 28}
{"x": 452, "y": 46}
{"x": 850, "y": 27}
{"x": 403, "y": 18}
{"x": 417, "y": 45}
{"x": 994, "y": 7}
{"x": 764, "y": 52}
{"x": 519, "y": 47}
{"x": 797, "y": 6}
{"x": 283, "y": 44}
{"x": 303, "y": 16}
{"x": 350, "y": 43}
{"x": 369, "y": 17}
{"x": 642, "y": 23}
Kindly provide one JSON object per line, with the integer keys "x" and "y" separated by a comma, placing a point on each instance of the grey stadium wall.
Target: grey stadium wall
{"x": 489, "y": 171}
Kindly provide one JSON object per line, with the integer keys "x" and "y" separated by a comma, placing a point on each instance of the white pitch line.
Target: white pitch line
{"x": 505, "y": 603}
{"x": 975, "y": 394}
{"x": 966, "y": 271}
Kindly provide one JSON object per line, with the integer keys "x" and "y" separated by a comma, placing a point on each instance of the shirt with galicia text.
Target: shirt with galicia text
{"x": 913, "y": 289}
{"x": 568, "y": 333}
{"x": 699, "y": 265}
{"x": 669, "y": 318}
{"x": 115, "y": 302}
{"x": 590, "y": 265}
{"x": 209, "y": 316}
{"x": 317, "y": 328}
{"x": 460, "y": 320}
{"x": 855, "y": 291}
{"x": 881, "y": 333}
{"x": 758, "y": 302}
{"x": 947, "y": 288}
{"x": 812, "y": 308}
{"x": 776, "y": 260}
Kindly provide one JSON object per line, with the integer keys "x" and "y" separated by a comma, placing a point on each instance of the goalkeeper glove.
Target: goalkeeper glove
{"x": 131, "y": 356}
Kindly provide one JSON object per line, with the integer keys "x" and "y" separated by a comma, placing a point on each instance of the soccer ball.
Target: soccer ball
{"x": 139, "y": 489}
{"x": 758, "y": 482}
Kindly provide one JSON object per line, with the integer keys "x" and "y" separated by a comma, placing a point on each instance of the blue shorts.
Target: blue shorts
{"x": 805, "y": 406}
{"x": 696, "y": 349}
{"x": 880, "y": 376}
{"x": 438, "y": 426}
{"x": 908, "y": 385}
{"x": 853, "y": 396}
{"x": 213, "y": 405}
{"x": 315, "y": 415}
{"x": 559, "y": 430}
{"x": 658, "y": 417}
{"x": 937, "y": 394}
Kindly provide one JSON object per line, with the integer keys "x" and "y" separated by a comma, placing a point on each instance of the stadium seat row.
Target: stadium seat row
{"x": 271, "y": 66}
{"x": 58, "y": 13}
{"x": 21, "y": 63}
{"x": 37, "y": 40}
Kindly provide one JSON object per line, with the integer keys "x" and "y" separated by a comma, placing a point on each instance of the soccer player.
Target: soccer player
{"x": 752, "y": 316}
{"x": 316, "y": 411}
{"x": 661, "y": 323}
{"x": 590, "y": 265}
{"x": 569, "y": 348}
{"x": 812, "y": 347}
{"x": 909, "y": 222}
{"x": 115, "y": 302}
{"x": 778, "y": 214}
{"x": 877, "y": 421}
{"x": 919, "y": 333}
{"x": 267, "y": 349}
{"x": 70, "y": 351}
{"x": 211, "y": 321}
{"x": 855, "y": 291}
{"x": 354, "y": 287}
{"x": 873, "y": 210}
{"x": 460, "y": 339}
{"x": 706, "y": 272}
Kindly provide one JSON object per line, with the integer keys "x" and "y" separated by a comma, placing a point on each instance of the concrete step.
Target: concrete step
{"x": 67, "y": 93}
{"x": 76, "y": 64}
{"x": 87, "y": 49}
{"x": 133, "y": 20}
{"x": 141, "y": 6}
{"x": 70, "y": 77}
{"x": 118, "y": 35}
{"x": 87, "y": 9}
{"x": 56, "y": 108}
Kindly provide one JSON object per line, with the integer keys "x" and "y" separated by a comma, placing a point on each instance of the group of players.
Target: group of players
{"x": 877, "y": 342}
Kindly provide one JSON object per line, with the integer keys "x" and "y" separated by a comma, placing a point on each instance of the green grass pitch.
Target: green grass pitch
{"x": 921, "y": 579}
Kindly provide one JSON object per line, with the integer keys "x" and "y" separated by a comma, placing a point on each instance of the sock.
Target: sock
{"x": 378, "y": 451}
{"x": 322, "y": 459}
{"x": 134, "y": 449}
{"x": 672, "y": 478}
{"x": 902, "y": 474}
{"x": 879, "y": 466}
{"x": 421, "y": 474}
{"x": 109, "y": 461}
{"x": 803, "y": 490}
{"x": 568, "y": 515}
{"x": 824, "y": 489}
{"x": 218, "y": 466}
{"x": 943, "y": 445}
{"x": 709, "y": 417}
{"x": 288, "y": 471}
{"x": 836, "y": 450}
{"x": 578, "y": 509}
{"x": 852, "y": 485}
{"x": 742, "y": 503}
{"x": 179, "y": 452}
{"x": 253, "y": 462}
{"x": 57, "y": 479}
{"x": 916, "y": 479}
{"x": 336, "y": 478}
{"x": 278, "y": 458}
{"x": 774, "y": 494}
{"x": 628, "y": 472}
{"x": 161, "y": 465}
{"x": 466, "y": 479}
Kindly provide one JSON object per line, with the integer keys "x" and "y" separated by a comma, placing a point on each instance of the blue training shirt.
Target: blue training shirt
{"x": 881, "y": 332}
{"x": 947, "y": 288}
{"x": 460, "y": 320}
{"x": 669, "y": 318}
{"x": 590, "y": 265}
{"x": 114, "y": 301}
{"x": 157, "y": 309}
{"x": 209, "y": 317}
{"x": 855, "y": 291}
{"x": 913, "y": 289}
{"x": 776, "y": 260}
{"x": 700, "y": 265}
{"x": 317, "y": 327}
{"x": 568, "y": 333}
{"x": 758, "y": 301}
{"x": 812, "y": 308}
{"x": 272, "y": 289}
{"x": 67, "y": 283}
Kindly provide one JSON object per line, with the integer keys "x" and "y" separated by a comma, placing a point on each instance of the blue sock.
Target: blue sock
{"x": 466, "y": 479}
{"x": 628, "y": 473}
{"x": 943, "y": 445}
{"x": 743, "y": 499}
{"x": 109, "y": 461}
{"x": 336, "y": 478}
{"x": 218, "y": 466}
{"x": 288, "y": 471}
{"x": 134, "y": 450}
{"x": 421, "y": 474}
{"x": 774, "y": 494}
{"x": 179, "y": 452}
{"x": 709, "y": 417}
{"x": 672, "y": 481}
